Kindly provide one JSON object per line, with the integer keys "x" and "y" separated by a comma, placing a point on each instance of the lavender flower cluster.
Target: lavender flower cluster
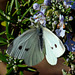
{"x": 48, "y": 15}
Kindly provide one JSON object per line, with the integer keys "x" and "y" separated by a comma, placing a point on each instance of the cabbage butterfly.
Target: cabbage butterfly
{"x": 36, "y": 43}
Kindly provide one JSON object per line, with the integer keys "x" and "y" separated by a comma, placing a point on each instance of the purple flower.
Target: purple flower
{"x": 39, "y": 17}
{"x": 47, "y": 2}
{"x": 61, "y": 18}
{"x": 69, "y": 4}
{"x": 70, "y": 18}
{"x": 72, "y": 3}
{"x": 70, "y": 44}
{"x": 60, "y": 32}
{"x": 36, "y": 6}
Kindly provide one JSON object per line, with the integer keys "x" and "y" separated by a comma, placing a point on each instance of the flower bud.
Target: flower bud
{"x": 36, "y": 6}
{"x": 47, "y": 2}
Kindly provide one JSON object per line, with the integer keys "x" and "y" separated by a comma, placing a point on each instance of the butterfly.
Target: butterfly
{"x": 36, "y": 43}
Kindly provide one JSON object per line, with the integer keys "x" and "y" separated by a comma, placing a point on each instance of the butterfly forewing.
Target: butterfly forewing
{"x": 27, "y": 47}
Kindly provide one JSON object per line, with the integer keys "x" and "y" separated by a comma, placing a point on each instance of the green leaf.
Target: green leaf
{"x": 10, "y": 36}
{"x": 2, "y": 39}
{"x": 23, "y": 1}
{"x": 7, "y": 6}
{"x": 1, "y": 12}
{"x": 33, "y": 70}
{"x": 3, "y": 23}
{"x": 2, "y": 32}
{"x": 40, "y": 1}
{"x": 22, "y": 30}
{"x": 15, "y": 12}
{"x": 64, "y": 72}
{"x": 9, "y": 66}
{"x": 17, "y": 7}
{"x": 19, "y": 65}
{"x": 26, "y": 12}
{"x": 21, "y": 73}
{"x": 11, "y": 5}
{"x": 3, "y": 58}
{"x": 3, "y": 43}
{"x": 25, "y": 20}
{"x": 9, "y": 71}
{"x": 26, "y": 3}
{"x": 7, "y": 29}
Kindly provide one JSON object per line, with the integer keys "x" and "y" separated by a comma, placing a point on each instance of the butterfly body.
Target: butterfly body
{"x": 36, "y": 43}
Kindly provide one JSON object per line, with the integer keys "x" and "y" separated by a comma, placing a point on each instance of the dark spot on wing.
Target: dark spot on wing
{"x": 51, "y": 47}
{"x": 26, "y": 49}
{"x": 55, "y": 46}
{"x": 20, "y": 47}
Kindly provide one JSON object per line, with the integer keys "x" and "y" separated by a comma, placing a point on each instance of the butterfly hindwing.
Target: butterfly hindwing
{"x": 27, "y": 47}
{"x": 54, "y": 46}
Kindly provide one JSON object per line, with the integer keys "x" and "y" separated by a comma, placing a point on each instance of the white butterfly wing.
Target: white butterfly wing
{"x": 54, "y": 46}
{"x": 27, "y": 47}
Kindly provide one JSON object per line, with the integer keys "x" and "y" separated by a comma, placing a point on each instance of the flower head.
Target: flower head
{"x": 60, "y": 32}
{"x": 70, "y": 18}
{"x": 36, "y": 6}
{"x": 39, "y": 17}
{"x": 70, "y": 4}
{"x": 47, "y": 2}
{"x": 61, "y": 18}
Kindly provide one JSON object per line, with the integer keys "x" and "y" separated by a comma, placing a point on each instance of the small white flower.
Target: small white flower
{"x": 72, "y": 67}
{"x": 67, "y": 59}
{"x": 70, "y": 18}
{"x": 43, "y": 10}
{"x": 67, "y": 6}
{"x": 14, "y": 67}
{"x": 60, "y": 7}
{"x": 52, "y": 19}
{"x": 66, "y": 23}
{"x": 63, "y": 10}
{"x": 8, "y": 62}
{"x": 36, "y": 6}
{"x": 64, "y": 3}
{"x": 60, "y": 32}
{"x": 61, "y": 20}
{"x": 61, "y": 17}
{"x": 55, "y": 22}
{"x": 40, "y": 18}
{"x": 47, "y": 2}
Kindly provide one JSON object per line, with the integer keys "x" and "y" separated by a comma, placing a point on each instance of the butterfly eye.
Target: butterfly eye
{"x": 20, "y": 47}
{"x": 55, "y": 46}
{"x": 26, "y": 49}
